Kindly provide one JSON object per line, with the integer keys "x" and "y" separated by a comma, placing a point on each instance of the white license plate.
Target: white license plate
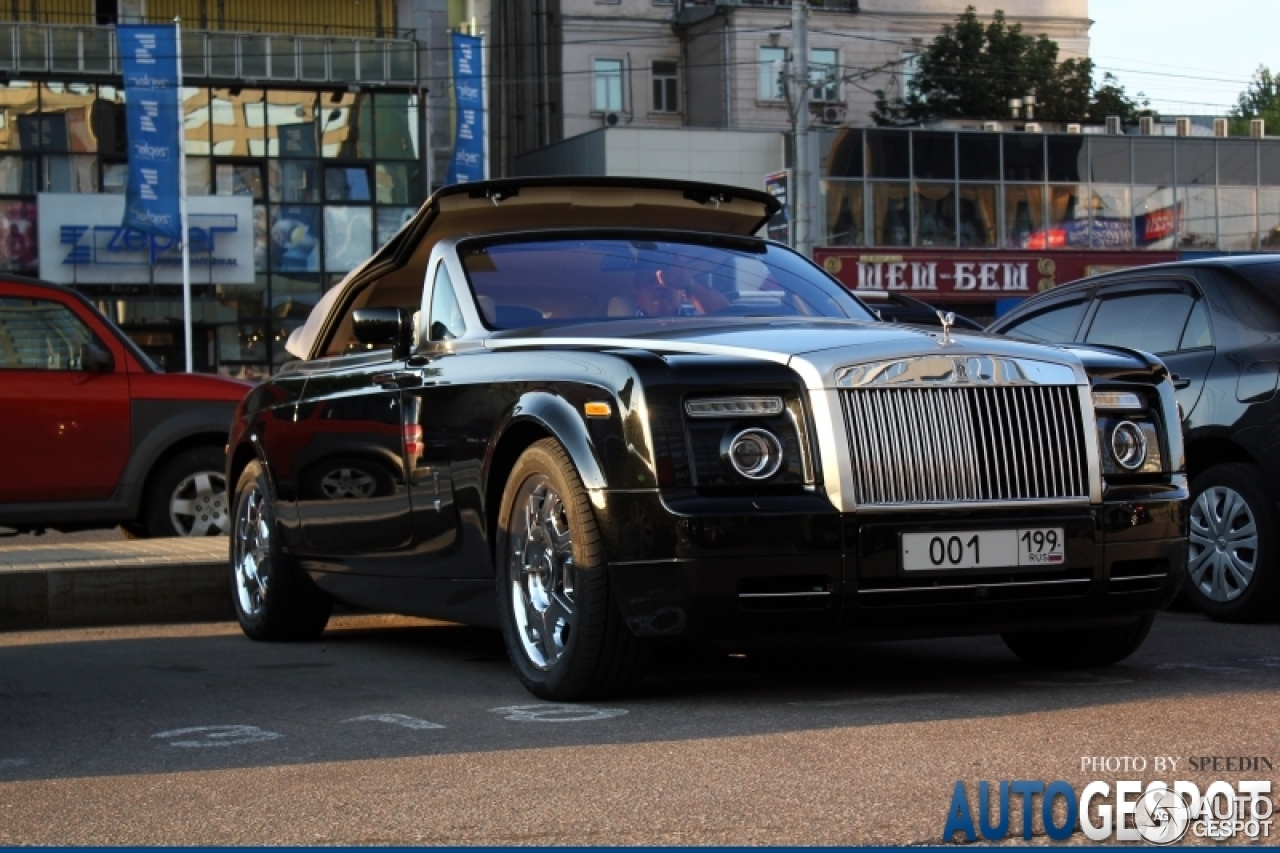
{"x": 983, "y": 549}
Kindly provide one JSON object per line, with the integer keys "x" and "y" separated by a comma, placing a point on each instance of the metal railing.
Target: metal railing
{"x": 966, "y": 445}
{"x": 218, "y": 55}
{"x": 375, "y": 19}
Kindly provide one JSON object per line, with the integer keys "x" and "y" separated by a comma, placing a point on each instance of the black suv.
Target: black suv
{"x": 1216, "y": 325}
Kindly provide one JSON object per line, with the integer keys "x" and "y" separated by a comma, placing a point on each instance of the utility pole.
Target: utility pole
{"x": 803, "y": 238}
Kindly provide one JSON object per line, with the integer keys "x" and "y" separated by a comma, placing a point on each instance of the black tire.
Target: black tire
{"x": 1082, "y": 647}
{"x": 1213, "y": 584}
{"x": 205, "y": 511}
{"x": 591, "y": 654}
{"x": 273, "y": 599}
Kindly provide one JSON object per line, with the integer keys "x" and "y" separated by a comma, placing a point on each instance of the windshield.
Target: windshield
{"x": 525, "y": 283}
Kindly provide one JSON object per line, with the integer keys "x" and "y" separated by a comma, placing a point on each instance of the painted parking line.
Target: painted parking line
{"x": 553, "y": 713}
{"x": 402, "y": 720}
{"x": 213, "y": 736}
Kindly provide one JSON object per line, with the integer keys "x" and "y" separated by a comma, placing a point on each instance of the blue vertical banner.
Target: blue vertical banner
{"x": 468, "y": 162}
{"x": 153, "y": 116}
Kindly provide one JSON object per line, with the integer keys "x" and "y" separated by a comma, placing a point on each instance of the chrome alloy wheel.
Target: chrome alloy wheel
{"x": 1224, "y": 544}
{"x": 541, "y": 572}
{"x": 251, "y": 557}
{"x": 198, "y": 506}
{"x": 347, "y": 483}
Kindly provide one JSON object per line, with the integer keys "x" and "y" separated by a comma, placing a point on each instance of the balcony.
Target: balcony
{"x": 214, "y": 55}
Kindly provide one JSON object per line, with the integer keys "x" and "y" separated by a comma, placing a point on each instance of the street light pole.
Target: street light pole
{"x": 800, "y": 138}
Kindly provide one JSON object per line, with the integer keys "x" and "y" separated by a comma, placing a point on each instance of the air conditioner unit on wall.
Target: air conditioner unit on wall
{"x": 1074, "y": 128}
{"x": 991, "y": 126}
{"x": 1032, "y": 127}
{"x": 827, "y": 113}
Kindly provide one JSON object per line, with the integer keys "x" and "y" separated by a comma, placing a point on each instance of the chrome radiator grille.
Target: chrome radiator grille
{"x": 963, "y": 445}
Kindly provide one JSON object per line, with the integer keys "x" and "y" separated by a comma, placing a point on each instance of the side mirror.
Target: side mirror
{"x": 95, "y": 358}
{"x": 379, "y": 327}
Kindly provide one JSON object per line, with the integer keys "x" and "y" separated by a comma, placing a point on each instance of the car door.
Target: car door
{"x": 1167, "y": 317}
{"x": 349, "y": 464}
{"x": 64, "y": 433}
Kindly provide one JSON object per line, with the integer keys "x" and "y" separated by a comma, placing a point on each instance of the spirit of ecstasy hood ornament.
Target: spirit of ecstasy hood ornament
{"x": 948, "y": 319}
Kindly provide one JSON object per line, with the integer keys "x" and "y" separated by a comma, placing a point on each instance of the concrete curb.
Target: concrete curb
{"x": 126, "y": 583}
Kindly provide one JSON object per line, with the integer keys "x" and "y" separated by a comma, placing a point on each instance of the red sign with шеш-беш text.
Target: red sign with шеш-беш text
{"x": 972, "y": 275}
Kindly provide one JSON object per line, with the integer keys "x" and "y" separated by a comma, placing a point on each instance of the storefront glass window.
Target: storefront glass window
{"x": 1109, "y": 160}
{"x": 1155, "y": 218}
{"x": 1023, "y": 157}
{"x": 979, "y": 157}
{"x": 1023, "y": 214}
{"x": 1068, "y": 225}
{"x": 1198, "y": 223}
{"x": 844, "y": 160}
{"x": 935, "y": 215}
{"x": 115, "y": 177}
{"x": 1153, "y": 161}
{"x": 1238, "y": 162}
{"x": 888, "y": 154}
{"x": 346, "y": 183}
{"x": 66, "y": 110}
{"x": 934, "y": 156}
{"x": 977, "y": 215}
{"x": 17, "y": 175}
{"x": 295, "y": 238}
{"x": 1068, "y": 157}
{"x": 396, "y": 124}
{"x": 195, "y": 120}
{"x": 238, "y": 122}
{"x": 19, "y": 102}
{"x": 346, "y": 126}
{"x": 18, "y": 247}
{"x": 291, "y": 124}
{"x": 238, "y": 179}
{"x": 390, "y": 220}
{"x": 1269, "y": 220}
{"x": 1111, "y": 212}
{"x": 1195, "y": 162}
{"x": 199, "y": 176}
{"x": 293, "y": 180}
{"x": 844, "y": 213}
{"x": 891, "y": 214}
{"x": 348, "y": 237}
{"x": 65, "y": 173}
{"x": 1237, "y": 219}
{"x": 398, "y": 183}
{"x": 109, "y": 123}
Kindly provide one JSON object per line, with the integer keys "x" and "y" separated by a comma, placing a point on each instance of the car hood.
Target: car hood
{"x": 815, "y": 345}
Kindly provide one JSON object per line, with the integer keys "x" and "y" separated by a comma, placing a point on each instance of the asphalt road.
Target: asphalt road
{"x": 404, "y": 731}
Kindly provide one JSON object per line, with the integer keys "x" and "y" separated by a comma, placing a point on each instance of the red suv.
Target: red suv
{"x": 93, "y": 435}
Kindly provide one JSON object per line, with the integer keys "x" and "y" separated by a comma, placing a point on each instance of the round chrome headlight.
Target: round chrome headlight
{"x": 755, "y": 453}
{"x": 1128, "y": 445}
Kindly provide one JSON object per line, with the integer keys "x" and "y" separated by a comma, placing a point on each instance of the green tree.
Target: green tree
{"x": 1260, "y": 100}
{"x": 973, "y": 68}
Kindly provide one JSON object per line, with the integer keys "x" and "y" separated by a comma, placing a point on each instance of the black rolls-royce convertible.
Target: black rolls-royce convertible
{"x": 599, "y": 413}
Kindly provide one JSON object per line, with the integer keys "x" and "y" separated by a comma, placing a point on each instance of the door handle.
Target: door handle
{"x": 1180, "y": 382}
{"x": 398, "y": 379}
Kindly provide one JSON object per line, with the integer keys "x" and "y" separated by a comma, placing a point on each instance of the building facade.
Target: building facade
{"x": 566, "y": 67}
{"x": 331, "y": 118}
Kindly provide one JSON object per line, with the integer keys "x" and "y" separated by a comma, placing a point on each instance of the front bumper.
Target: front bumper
{"x": 778, "y": 572}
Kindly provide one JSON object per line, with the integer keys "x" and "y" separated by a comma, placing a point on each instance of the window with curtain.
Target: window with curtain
{"x": 977, "y": 226}
{"x": 1023, "y": 214}
{"x": 891, "y": 208}
{"x": 607, "y": 85}
{"x": 935, "y": 215}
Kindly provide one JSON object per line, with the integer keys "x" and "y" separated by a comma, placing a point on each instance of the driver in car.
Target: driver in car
{"x": 669, "y": 290}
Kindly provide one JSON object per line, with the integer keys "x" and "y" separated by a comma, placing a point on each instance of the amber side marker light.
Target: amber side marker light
{"x": 598, "y": 410}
